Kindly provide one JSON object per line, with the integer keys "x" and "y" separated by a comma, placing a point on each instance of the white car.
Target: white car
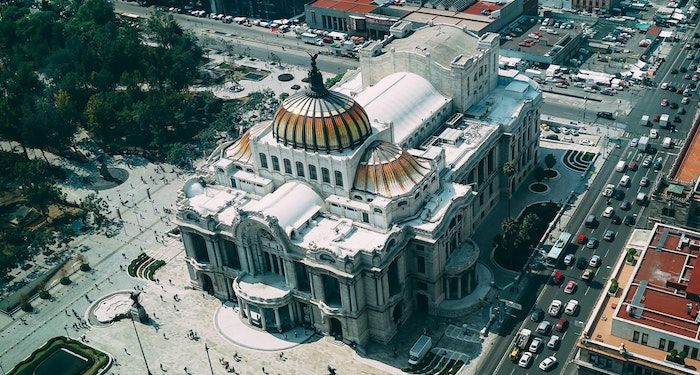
{"x": 548, "y": 363}
{"x": 594, "y": 262}
{"x": 554, "y": 308}
{"x": 634, "y": 142}
{"x": 609, "y": 189}
{"x": 525, "y": 360}
{"x": 664, "y": 86}
{"x": 571, "y": 307}
{"x": 535, "y": 345}
{"x": 685, "y": 100}
{"x": 553, "y": 342}
{"x": 569, "y": 259}
{"x": 653, "y": 134}
{"x": 609, "y": 211}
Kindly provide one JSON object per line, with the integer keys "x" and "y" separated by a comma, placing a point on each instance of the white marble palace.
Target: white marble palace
{"x": 353, "y": 207}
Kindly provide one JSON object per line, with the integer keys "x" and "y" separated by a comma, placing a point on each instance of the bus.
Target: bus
{"x": 558, "y": 250}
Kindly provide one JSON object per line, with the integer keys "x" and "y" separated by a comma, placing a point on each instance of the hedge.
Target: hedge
{"x": 97, "y": 360}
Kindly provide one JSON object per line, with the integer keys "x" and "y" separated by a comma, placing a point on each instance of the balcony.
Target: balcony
{"x": 266, "y": 290}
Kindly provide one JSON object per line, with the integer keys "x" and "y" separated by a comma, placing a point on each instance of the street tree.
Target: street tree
{"x": 538, "y": 173}
{"x": 550, "y": 160}
{"x": 509, "y": 170}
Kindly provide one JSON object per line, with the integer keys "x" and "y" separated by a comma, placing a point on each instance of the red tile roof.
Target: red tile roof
{"x": 668, "y": 269}
{"x": 654, "y": 30}
{"x": 689, "y": 169}
{"x": 352, "y": 6}
{"x": 477, "y": 7}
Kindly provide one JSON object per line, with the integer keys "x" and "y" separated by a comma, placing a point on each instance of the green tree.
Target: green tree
{"x": 550, "y": 160}
{"x": 529, "y": 226}
{"x": 509, "y": 171}
{"x": 42, "y": 195}
{"x": 96, "y": 207}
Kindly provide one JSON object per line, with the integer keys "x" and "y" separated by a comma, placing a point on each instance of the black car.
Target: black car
{"x": 615, "y": 220}
{"x": 671, "y": 88}
{"x": 677, "y": 119}
{"x": 684, "y": 69}
{"x": 681, "y": 111}
{"x": 607, "y": 115}
{"x": 582, "y": 263}
{"x": 630, "y": 220}
{"x": 674, "y": 71}
{"x": 552, "y": 136}
{"x": 673, "y": 105}
{"x": 618, "y": 194}
{"x": 537, "y": 315}
{"x": 626, "y": 205}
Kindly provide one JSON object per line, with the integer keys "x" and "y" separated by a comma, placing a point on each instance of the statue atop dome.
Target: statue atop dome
{"x": 316, "y": 86}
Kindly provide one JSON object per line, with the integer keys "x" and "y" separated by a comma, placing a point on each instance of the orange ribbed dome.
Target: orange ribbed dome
{"x": 387, "y": 170}
{"x": 320, "y": 120}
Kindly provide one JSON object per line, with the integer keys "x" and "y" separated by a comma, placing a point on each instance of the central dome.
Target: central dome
{"x": 320, "y": 120}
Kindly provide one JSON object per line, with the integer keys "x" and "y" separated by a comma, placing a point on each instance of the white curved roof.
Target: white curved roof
{"x": 443, "y": 42}
{"x": 292, "y": 204}
{"x": 406, "y": 99}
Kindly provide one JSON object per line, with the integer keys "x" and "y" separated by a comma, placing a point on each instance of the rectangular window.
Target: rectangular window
{"x": 694, "y": 353}
{"x": 686, "y": 349}
{"x": 671, "y": 345}
{"x": 662, "y": 344}
{"x": 287, "y": 166}
{"x": 275, "y": 163}
{"x": 420, "y": 264}
{"x": 263, "y": 160}
{"x": 300, "y": 169}
{"x": 312, "y": 172}
{"x": 635, "y": 336}
{"x": 365, "y": 217}
{"x": 645, "y": 338}
{"x": 338, "y": 178}
{"x": 326, "y": 175}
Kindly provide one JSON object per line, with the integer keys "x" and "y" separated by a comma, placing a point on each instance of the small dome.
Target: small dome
{"x": 320, "y": 120}
{"x": 387, "y": 170}
{"x": 240, "y": 150}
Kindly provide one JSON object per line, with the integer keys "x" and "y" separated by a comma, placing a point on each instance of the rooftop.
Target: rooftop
{"x": 540, "y": 42}
{"x": 352, "y": 6}
{"x": 472, "y": 21}
{"x": 661, "y": 304}
{"x": 689, "y": 168}
{"x": 442, "y": 42}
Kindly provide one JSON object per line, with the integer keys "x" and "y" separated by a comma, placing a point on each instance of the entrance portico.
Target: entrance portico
{"x": 266, "y": 302}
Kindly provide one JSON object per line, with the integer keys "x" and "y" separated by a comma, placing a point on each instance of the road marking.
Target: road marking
{"x": 606, "y": 253}
{"x": 586, "y": 292}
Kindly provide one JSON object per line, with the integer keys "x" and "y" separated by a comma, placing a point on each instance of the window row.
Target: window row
{"x": 300, "y": 171}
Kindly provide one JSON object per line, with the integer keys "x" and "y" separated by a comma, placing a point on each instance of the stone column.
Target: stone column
{"x": 459, "y": 288}
{"x": 318, "y": 287}
{"x": 278, "y": 321}
{"x": 247, "y": 311}
{"x": 262, "y": 318}
{"x": 447, "y": 287}
{"x": 240, "y": 310}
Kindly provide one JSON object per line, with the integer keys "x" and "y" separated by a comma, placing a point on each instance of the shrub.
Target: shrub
{"x": 44, "y": 294}
{"x": 631, "y": 251}
{"x": 65, "y": 280}
{"x": 27, "y": 307}
{"x": 85, "y": 267}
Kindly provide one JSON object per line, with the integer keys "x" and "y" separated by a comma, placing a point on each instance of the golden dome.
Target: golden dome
{"x": 320, "y": 120}
{"x": 387, "y": 170}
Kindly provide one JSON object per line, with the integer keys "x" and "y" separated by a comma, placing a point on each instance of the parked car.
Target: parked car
{"x": 616, "y": 220}
{"x": 633, "y": 166}
{"x": 548, "y": 363}
{"x": 525, "y": 360}
{"x": 587, "y": 275}
{"x": 629, "y": 220}
{"x": 553, "y": 342}
{"x": 634, "y": 142}
{"x": 664, "y": 102}
{"x": 557, "y": 278}
{"x": 594, "y": 262}
{"x": 625, "y": 206}
{"x": 609, "y": 235}
{"x": 535, "y": 345}
{"x": 569, "y": 259}
{"x": 570, "y": 287}
{"x": 644, "y": 181}
{"x": 592, "y": 243}
{"x": 571, "y": 307}
{"x": 582, "y": 238}
{"x": 581, "y": 263}
{"x": 609, "y": 211}
{"x": 544, "y": 328}
{"x": 647, "y": 162}
{"x": 554, "y": 308}
{"x": 562, "y": 325}
{"x": 537, "y": 315}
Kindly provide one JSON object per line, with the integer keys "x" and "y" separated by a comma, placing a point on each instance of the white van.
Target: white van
{"x": 667, "y": 142}
{"x": 625, "y": 181}
{"x": 621, "y": 166}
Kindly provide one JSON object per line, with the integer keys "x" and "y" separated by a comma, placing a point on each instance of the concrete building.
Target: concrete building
{"x": 654, "y": 313}
{"x": 676, "y": 197}
{"x": 352, "y": 208}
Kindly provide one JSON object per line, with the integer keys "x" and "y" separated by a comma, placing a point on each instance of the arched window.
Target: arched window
{"x": 275, "y": 163}
{"x": 263, "y": 160}
{"x": 338, "y": 178}
{"x": 300, "y": 169}
{"x": 326, "y": 175}
{"x": 287, "y": 166}
{"x": 312, "y": 172}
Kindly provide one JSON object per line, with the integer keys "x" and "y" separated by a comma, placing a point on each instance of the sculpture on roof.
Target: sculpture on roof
{"x": 316, "y": 86}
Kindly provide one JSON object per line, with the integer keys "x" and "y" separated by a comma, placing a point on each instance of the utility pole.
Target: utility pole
{"x": 206, "y": 349}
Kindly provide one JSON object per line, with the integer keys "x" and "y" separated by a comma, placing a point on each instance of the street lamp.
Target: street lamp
{"x": 206, "y": 349}
{"x": 148, "y": 370}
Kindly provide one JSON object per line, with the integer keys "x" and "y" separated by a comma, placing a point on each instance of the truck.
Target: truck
{"x": 523, "y": 338}
{"x": 663, "y": 120}
{"x": 644, "y": 121}
{"x": 621, "y": 166}
{"x": 643, "y": 144}
{"x": 419, "y": 349}
{"x": 309, "y": 38}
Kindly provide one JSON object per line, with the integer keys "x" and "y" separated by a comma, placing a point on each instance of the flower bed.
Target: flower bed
{"x": 96, "y": 360}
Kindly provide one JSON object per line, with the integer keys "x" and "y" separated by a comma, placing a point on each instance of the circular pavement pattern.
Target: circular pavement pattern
{"x": 285, "y": 77}
{"x": 551, "y": 174}
{"x": 97, "y": 182}
{"x": 539, "y": 187}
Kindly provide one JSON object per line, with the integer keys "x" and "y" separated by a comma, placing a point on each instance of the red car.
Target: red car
{"x": 570, "y": 287}
{"x": 656, "y": 117}
{"x": 558, "y": 278}
{"x": 664, "y": 102}
{"x": 582, "y": 238}
{"x": 633, "y": 166}
{"x": 561, "y": 325}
